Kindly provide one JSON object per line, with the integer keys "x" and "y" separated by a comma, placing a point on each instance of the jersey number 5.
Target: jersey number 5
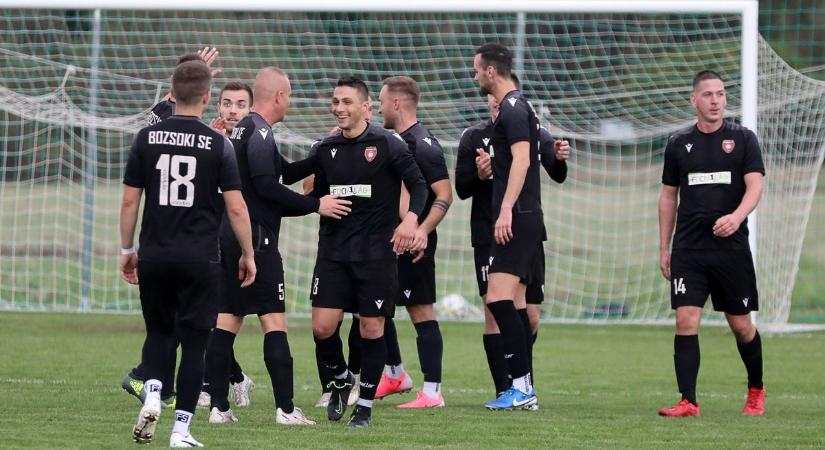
{"x": 170, "y": 194}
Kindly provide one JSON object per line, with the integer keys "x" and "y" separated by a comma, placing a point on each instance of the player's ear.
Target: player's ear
{"x": 693, "y": 99}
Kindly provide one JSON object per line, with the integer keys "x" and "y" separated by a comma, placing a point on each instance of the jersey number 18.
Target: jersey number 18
{"x": 171, "y": 194}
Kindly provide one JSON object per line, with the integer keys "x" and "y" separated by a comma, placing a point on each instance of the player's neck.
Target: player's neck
{"x": 189, "y": 110}
{"x": 503, "y": 88}
{"x": 709, "y": 127}
{"x": 405, "y": 122}
{"x": 353, "y": 133}
{"x": 267, "y": 114}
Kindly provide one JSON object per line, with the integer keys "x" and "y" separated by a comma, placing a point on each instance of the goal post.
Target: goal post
{"x": 612, "y": 77}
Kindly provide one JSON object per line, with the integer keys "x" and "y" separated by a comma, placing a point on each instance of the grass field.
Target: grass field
{"x": 599, "y": 387}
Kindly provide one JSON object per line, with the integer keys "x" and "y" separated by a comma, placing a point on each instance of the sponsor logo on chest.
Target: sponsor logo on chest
{"x": 351, "y": 190}
{"x": 708, "y": 178}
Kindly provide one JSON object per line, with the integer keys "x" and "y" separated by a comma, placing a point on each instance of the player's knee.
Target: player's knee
{"x": 323, "y": 330}
{"x": 743, "y": 329}
{"x": 687, "y": 323}
{"x": 372, "y": 327}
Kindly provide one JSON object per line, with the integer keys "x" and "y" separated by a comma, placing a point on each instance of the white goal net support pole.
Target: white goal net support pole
{"x": 612, "y": 77}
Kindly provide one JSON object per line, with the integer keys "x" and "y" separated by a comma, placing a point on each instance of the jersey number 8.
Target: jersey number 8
{"x": 171, "y": 194}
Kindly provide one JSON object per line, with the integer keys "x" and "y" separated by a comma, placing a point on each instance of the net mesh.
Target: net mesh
{"x": 615, "y": 85}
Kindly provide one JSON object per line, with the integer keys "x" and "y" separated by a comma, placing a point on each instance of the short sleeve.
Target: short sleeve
{"x": 515, "y": 119}
{"x": 134, "y": 169}
{"x": 753, "y": 154}
{"x": 430, "y": 159}
{"x": 670, "y": 173}
{"x": 230, "y": 178}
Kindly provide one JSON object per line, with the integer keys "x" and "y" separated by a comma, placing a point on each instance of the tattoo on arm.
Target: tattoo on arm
{"x": 441, "y": 204}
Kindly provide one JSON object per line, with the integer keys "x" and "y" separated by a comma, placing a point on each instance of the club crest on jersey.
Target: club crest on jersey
{"x": 728, "y": 145}
{"x": 370, "y": 153}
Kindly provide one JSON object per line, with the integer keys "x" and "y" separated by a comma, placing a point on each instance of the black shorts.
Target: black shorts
{"x": 186, "y": 292}
{"x": 727, "y": 276}
{"x": 365, "y": 287}
{"x": 535, "y": 282}
{"x": 517, "y": 256}
{"x": 416, "y": 281}
{"x": 267, "y": 294}
{"x": 481, "y": 255}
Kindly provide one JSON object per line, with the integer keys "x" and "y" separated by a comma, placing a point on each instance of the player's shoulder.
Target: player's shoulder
{"x": 513, "y": 101}
{"x": 393, "y": 139}
{"x": 484, "y": 126}
{"x": 735, "y": 128}
{"x": 681, "y": 134}
{"x": 423, "y": 136}
{"x": 249, "y": 126}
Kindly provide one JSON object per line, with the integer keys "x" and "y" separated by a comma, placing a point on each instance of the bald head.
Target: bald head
{"x": 271, "y": 92}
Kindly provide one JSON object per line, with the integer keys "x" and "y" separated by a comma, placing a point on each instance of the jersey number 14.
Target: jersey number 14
{"x": 170, "y": 193}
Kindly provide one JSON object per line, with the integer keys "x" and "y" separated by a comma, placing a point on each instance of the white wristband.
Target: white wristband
{"x": 127, "y": 251}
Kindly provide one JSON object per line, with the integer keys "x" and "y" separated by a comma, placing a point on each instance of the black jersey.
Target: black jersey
{"x": 468, "y": 185}
{"x": 430, "y": 159}
{"x": 261, "y": 168}
{"x": 516, "y": 122}
{"x": 367, "y": 170}
{"x": 180, "y": 163}
{"x": 547, "y": 154}
{"x": 163, "y": 110}
{"x": 709, "y": 170}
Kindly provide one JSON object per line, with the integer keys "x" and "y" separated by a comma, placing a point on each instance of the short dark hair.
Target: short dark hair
{"x": 705, "y": 75}
{"x": 496, "y": 55}
{"x": 188, "y": 57}
{"x": 357, "y": 84}
{"x": 404, "y": 85}
{"x": 237, "y": 85}
{"x": 190, "y": 81}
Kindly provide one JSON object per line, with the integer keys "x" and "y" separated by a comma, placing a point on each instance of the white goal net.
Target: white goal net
{"x": 75, "y": 87}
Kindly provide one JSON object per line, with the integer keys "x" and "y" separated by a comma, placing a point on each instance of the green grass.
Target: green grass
{"x": 599, "y": 386}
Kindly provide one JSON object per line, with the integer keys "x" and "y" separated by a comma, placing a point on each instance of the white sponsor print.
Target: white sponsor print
{"x": 378, "y": 303}
{"x": 709, "y": 178}
{"x": 352, "y": 190}
{"x": 512, "y": 101}
{"x": 688, "y": 147}
{"x": 333, "y": 152}
{"x": 407, "y": 293}
{"x": 263, "y": 132}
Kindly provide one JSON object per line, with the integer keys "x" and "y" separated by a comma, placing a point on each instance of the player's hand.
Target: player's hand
{"x": 128, "y": 268}
{"x": 247, "y": 270}
{"x": 209, "y": 55}
{"x": 218, "y": 124}
{"x": 664, "y": 263}
{"x": 417, "y": 256}
{"x": 419, "y": 240}
{"x": 503, "y": 230}
{"x": 402, "y": 237}
{"x": 726, "y": 225}
{"x": 334, "y": 207}
{"x": 483, "y": 164}
{"x": 562, "y": 149}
